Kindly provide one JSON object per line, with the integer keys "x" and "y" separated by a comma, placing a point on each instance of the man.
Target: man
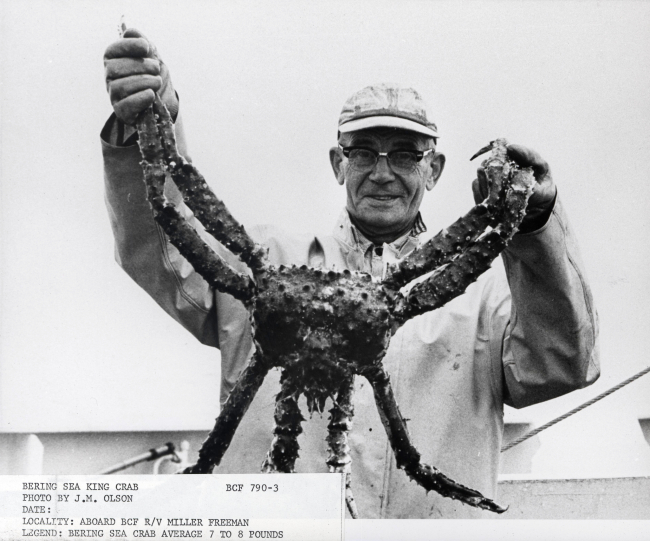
{"x": 523, "y": 333}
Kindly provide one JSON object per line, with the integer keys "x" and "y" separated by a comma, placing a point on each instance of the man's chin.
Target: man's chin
{"x": 379, "y": 224}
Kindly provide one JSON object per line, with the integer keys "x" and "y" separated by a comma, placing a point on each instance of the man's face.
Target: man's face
{"x": 383, "y": 203}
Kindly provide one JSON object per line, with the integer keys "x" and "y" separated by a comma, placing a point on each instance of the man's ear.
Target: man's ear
{"x": 336, "y": 159}
{"x": 437, "y": 165}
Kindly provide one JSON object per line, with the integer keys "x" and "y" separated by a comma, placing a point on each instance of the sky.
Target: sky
{"x": 261, "y": 86}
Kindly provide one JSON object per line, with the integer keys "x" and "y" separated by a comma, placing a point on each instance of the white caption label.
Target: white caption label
{"x": 297, "y": 507}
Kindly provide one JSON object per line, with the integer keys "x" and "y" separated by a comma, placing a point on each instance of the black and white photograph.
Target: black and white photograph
{"x": 399, "y": 241}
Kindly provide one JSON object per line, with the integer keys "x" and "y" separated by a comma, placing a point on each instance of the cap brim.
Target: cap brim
{"x": 386, "y": 122}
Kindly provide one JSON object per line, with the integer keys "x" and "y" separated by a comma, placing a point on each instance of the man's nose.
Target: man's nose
{"x": 382, "y": 172}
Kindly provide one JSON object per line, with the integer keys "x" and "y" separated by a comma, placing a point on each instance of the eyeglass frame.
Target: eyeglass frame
{"x": 419, "y": 154}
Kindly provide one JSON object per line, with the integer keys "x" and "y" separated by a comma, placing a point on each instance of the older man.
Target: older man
{"x": 525, "y": 332}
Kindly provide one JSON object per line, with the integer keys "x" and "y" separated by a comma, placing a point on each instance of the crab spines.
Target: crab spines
{"x": 510, "y": 187}
{"x": 451, "y": 241}
{"x": 461, "y": 253}
{"x": 321, "y": 327}
{"x": 149, "y": 141}
{"x": 450, "y": 281}
{"x": 284, "y": 448}
{"x": 207, "y": 263}
{"x": 206, "y": 206}
{"x": 440, "y": 249}
{"x": 241, "y": 396}
{"x": 498, "y": 169}
{"x": 407, "y": 456}
{"x": 520, "y": 190}
{"x": 430, "y": 478}
{"x": 454, "y": 278}
{"x": 339, "y": 460}
{"x": 181, "y": 234}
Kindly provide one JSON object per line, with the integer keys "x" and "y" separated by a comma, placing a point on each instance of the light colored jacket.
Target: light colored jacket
{"x": 525, "y": 332}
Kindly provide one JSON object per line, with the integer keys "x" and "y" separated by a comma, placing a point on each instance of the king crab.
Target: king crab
{"x": 323, "y": 327}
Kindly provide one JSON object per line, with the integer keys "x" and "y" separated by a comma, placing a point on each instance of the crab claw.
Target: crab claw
{"x": 483, "y": 150}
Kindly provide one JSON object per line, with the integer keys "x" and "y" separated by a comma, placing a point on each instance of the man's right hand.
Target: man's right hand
{"x": 134, "y": 73}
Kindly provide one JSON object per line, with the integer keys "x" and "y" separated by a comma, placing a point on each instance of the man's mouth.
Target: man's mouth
{"x": 383, "y": 197}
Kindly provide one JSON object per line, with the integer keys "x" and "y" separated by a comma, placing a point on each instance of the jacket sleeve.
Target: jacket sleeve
{"x": 550, "y": 342}
{"x": 142, "y": 249}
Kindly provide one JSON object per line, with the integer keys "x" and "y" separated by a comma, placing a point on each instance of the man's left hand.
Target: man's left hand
{"x": 540, "y": 204}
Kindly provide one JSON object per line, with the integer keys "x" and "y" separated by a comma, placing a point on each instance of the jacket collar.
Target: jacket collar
{"x": 349, "y": 236}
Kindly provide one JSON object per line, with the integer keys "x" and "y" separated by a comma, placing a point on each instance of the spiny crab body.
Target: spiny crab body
{"x": 322, "y": 327}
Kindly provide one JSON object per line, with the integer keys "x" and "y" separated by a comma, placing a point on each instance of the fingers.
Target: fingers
{"x": 126, "y": 67}
{"x": 129, "y": 47}
{"x": 133, "y": 74}
{"x": 544, "y": 189}
{"x": 133, "y": 33}
{"x": 124, "y": 87}
{"x": 480, "y": 186}
{"x": 527, "y": 157}
{"x": 476, "y": 191}
{"x": 543, "y": 194}
{"x": 125, "y": 95}
{"x": 128, "y": 109}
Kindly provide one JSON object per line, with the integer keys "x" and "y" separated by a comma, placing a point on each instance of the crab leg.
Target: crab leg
{"x": 198, "y": 196}
{"x": 452, "y": 280}
{"x": 234, "y": 409}
{"x": 284, "y": 449}
{"x": 188, "y": 242}
{"x": 339, "y": 460}
{"x": 449, "y": 242}
{"x": 441, "y": 248}
{"x": 407, "y": 456}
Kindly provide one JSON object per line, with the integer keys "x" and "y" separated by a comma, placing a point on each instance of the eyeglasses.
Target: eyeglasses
{"x": 400, "y": 161}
